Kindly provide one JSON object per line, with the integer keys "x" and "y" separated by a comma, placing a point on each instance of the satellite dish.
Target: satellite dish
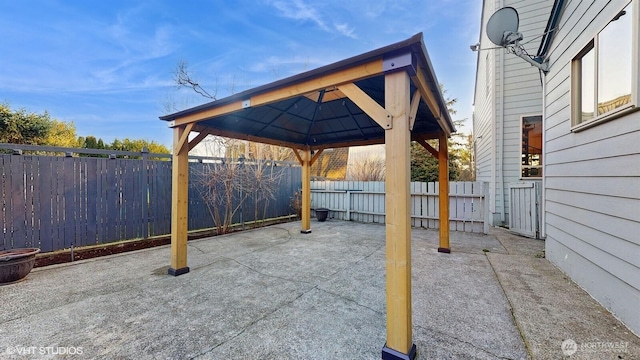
{"x": 502, "y": 30}
{"x": 501, "y": 24}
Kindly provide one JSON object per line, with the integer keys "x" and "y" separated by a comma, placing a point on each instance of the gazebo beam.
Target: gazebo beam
{"x": 399, "y": 343}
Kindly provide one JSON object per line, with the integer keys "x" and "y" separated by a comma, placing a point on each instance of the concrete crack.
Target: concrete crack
{"x": 197, "y": 248}
{"x": 351, "y": 300}
{"x": 264, "y": 274}
{"x": 527, "y": 346}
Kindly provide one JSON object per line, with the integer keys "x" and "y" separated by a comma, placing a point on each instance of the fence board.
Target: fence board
{"x": 46, "y": 197}
{"x": 101, "y": 191}
{"x": 29, "y": 200}
{"x": 80, "y": 201}
{"x": 18, "y": 201}
{"x": 3, "y": 214}
{"x": 130, "y": 215}
{"x": 91, "y": 166}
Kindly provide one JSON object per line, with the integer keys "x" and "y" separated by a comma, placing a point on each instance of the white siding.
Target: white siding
{"x": 498, "y": 146}
{"x": 592, "y": 180}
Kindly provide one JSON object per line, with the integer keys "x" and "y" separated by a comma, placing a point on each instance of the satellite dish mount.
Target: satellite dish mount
{"x": 502, "y": 30}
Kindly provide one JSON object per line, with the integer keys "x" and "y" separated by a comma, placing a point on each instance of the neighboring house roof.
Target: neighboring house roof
{"x": 550, "y": 30}
{"x": 312, "y": 110}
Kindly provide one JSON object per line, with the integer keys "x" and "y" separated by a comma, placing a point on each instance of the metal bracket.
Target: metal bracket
{"x": 401, "y": 61}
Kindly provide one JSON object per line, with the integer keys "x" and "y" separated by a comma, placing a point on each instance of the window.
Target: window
{"x": 531, "y": 146}
{"x": 602, "y": 72}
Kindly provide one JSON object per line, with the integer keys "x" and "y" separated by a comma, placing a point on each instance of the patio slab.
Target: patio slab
{"x": 273, "y": 293}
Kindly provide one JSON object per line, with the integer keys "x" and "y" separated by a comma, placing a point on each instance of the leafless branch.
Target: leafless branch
{"x": 183, "y": 78}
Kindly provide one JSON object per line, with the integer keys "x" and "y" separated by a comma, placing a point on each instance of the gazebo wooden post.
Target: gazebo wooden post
{"x": 399, "y": 343}
{"x": 306, "y": 191}
{"x": 443, "y": 192}
{"x": 179, "y": 200}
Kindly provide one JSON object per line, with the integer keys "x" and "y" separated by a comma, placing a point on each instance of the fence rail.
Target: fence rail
{"x": 56, "y": 202}
{"x": 365, "y": 202}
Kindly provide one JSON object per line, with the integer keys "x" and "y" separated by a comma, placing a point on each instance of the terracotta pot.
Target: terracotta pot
{"x": 15, "y": 264}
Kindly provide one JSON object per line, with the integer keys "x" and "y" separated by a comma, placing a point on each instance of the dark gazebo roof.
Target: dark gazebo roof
{"x": 311, "y": 110}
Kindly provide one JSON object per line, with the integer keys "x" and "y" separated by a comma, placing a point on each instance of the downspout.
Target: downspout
{"x": 501, "y": 136}
{"x": 541, "y": 221}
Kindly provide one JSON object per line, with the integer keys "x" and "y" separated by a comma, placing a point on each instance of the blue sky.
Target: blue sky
{"x": 108, "y": 65}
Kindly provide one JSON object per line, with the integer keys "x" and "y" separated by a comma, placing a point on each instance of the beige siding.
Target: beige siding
{"x": 522, "y": 95}
{"x": 592, "y": 179}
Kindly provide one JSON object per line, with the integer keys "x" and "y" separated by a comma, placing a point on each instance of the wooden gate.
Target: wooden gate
{"x": 524, "y": 208}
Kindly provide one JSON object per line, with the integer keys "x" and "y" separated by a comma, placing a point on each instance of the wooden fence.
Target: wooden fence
{"x": 56, "y": 202}
{"x": 365, "y": 202}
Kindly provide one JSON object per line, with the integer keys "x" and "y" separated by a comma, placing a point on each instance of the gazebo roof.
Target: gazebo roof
{"x": 337, "y": 105}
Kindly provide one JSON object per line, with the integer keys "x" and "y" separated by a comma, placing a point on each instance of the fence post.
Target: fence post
{"x": 487, "y": 200}
{"x": 144, "y": 182}
{"x": 348, "y": 204}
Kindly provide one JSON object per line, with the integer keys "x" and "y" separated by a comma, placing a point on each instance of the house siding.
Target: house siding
{"x": 498, "y": 146}
{"x": 592, "y": 179}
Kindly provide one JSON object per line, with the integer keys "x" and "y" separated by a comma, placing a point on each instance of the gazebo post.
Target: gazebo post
{"x": 179, "y": 200}
{"x": 443, "y": 192}
{"x": 399, "y": 343}
{"x": 305, "y": 161}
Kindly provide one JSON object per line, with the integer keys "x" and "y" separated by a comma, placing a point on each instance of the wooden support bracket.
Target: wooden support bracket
{"x": 378, "y": 113}
{"x": 413, "y": 112}
{"x": 297, "y": 154}
{"x": 428, "y": 147}
{"x": 420, "y": 82}
{"x": 196, "y": 140}
{"x": 315, "y": 156}
{"x": 184, "y": 137}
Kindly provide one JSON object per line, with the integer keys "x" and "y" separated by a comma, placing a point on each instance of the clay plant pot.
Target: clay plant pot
{"x": 321, "y": 214}
{"x": 15, "y": 264}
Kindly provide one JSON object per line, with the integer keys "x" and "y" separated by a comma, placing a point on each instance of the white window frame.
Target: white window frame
{"x": 576, "y": 76}
{"x": 541, "y": 166}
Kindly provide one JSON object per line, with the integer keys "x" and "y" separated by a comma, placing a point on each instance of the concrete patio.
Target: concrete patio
{"x": 273, "y": 293}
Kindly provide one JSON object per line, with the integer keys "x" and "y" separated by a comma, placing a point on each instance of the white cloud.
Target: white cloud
{"x": 302, "y": 11}
{"x": 345, "y": 30}
{"x": 299, "y": 10}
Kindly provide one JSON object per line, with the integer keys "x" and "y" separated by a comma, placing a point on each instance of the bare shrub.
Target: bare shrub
{"x": 225, "y": 187}
{"x": 367, "y": 169}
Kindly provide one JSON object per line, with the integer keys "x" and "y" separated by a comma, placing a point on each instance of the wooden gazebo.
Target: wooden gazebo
{"x": 387, "y": 96}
